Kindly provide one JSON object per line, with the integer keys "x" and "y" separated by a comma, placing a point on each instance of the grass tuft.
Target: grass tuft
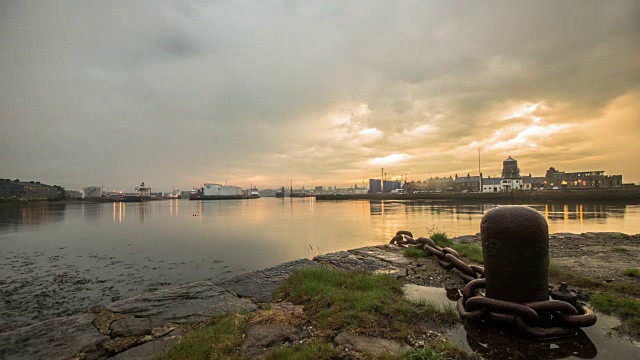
{"x": 633, "y": 272}
{"x": 470, "y": 251}
{"x": 312, "y": 351}
{"x": 437, "y": 351}
{"x": 412, "y": 252}
{"x": 356, "y": 301}
{"x": 440, "y": 237}
{"x": 558, "y": 273}
{"x": 220, "y": 339}
{"x": 621, "y": 306}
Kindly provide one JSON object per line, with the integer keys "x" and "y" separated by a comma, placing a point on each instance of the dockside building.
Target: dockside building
{"x": 27, "y": 189}
{"x": 581, "y": 179}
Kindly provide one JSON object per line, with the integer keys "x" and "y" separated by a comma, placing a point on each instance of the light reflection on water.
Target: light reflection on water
{"x": 498, "y": 342}
{"x": 116, "y": 250}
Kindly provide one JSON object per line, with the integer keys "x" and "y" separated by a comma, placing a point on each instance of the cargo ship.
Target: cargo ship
{"x": 213, "y": 191}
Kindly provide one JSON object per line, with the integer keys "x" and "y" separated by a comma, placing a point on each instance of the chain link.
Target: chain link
{"x": 474, "y": 306}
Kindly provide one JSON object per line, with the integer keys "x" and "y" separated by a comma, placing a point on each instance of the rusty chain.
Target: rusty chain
{"x": 540, "y": 320}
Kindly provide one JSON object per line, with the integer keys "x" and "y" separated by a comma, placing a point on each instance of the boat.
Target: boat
{"x": 144, "y": 193}
{"x": 195, "y": 194}
{"x": 212, "y": 191}
{"x": 280, "y": 193}
{"x": 254, "y": 193}
{"x": 175, "y": 195}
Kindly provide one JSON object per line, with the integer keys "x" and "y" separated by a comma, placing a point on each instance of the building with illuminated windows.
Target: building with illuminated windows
{"x": 583, "y": 179}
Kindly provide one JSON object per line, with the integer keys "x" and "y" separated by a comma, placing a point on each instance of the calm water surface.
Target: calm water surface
{"x": 62, "y": 259}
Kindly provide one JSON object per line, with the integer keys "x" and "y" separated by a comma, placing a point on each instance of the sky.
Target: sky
{"x": 268, "y": 93}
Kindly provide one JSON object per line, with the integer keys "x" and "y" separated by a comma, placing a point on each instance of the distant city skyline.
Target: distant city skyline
{"x": 179, "y": 93}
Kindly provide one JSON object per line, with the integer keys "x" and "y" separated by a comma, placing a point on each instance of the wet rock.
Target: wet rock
{"x": 262, "y": 336}
{"x": 119, "y": 344}
{"x": 162, "y": 331}
{"x": 104, "y": 319}
{"x": 472, "y": 239}
{"x": 260, "y": 284}
{"x": 355, "y": 260}
{"x": 147, "y": 350}
{"x": 61, "y": 338}
{"x": 185, "y": 304}
{"x": 371, "y": 345}
{"x": 135, "y": 326}
{"x": 384, "y": 254}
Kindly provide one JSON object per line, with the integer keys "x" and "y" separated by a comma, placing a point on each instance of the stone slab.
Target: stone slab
{"x": 371, "y": 345}
{"x": 259, "y": 285}
{"x": 147, "y": 350}
{"x": 61, "y": 338}
{"x": 259, "y": 337}
{"x": 135, "y": 326}
{"x": 185, "y": 304}
{"x": 350, "y": 260}
{"x": 394, "y": 257}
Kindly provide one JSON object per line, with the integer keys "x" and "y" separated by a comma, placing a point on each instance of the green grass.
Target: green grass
{"x": 440, "y": 237}
{"x": 220, "y": 339}
{"x": 358, "y": 302}
{"x": 423, "y": 354}
{"x": 470, "y": 251}
{"x": 632, "y": 272}
{"x": 557, "y": 273}
{"x": 622, "y": 306}
{"x": 312, "y": 351}
{"x": 412, "y": 252}
{"x": 617, "y": 298}
{"x": 625, "y": 288}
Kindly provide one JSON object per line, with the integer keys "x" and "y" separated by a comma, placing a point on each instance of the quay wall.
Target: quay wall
{"x": 514, "y": 196}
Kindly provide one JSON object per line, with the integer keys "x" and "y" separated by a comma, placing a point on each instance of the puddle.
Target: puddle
{"x": 499, "y": 342}
{"x": 435, "y": 295}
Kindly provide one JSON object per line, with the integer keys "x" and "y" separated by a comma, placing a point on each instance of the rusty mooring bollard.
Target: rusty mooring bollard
{"x": 515, "y": 243}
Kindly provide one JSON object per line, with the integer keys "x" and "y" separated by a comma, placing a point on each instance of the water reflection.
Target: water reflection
{"x": 499, "y": 341}
{"x": 493, "y": 342}
{"x": 119, "y": 212}
{"x": 580, "y": 212}
{"x": 92, "y": 212}
{"x": 14, "y": 217}
{"x": 562, "y": 217}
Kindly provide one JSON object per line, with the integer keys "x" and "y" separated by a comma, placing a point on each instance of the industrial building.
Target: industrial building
{"x": 92, "y": 192}
{"x": 375, "y": 186}
{"x": 390, "y": 185}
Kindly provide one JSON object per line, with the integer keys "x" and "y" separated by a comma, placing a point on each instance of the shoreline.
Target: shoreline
{"x": 617, "y": 195}
{"x": 92, "y": 333}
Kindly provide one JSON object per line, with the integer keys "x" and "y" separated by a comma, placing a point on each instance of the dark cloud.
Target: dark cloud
{"x": 179, "y": 92}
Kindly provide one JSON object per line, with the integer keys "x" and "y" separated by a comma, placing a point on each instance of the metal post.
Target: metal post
{"x": 515, "y": 243}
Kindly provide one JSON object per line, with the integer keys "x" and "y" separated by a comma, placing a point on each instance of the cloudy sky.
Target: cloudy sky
{"x": 178, "y": 93}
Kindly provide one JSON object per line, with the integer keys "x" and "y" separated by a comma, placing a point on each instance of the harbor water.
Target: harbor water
{"x": 62, "y": 259}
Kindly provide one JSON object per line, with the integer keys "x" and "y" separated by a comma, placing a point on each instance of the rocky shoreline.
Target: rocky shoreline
{"x": 140, "y": 326}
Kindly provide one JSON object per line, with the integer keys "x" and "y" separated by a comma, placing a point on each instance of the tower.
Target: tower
{"x": 510, "y": 169}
